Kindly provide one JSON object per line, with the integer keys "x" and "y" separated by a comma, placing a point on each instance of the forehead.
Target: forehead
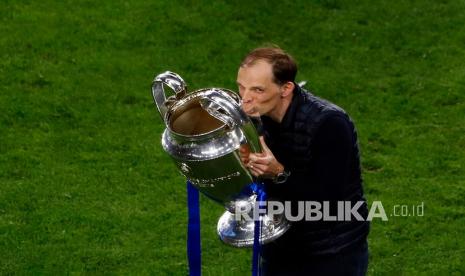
{"x": 260, "y": 72}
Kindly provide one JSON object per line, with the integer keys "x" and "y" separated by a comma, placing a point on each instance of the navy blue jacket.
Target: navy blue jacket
{"x": 317, "y": 142}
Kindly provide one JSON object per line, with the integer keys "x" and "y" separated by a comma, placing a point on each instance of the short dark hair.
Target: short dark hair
{"x": 284, "y": 66}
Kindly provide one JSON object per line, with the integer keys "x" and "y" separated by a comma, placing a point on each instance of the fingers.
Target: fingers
{"x": 259, "y": 159}
{"x": 264, "y": 145}
{"x": 257, "y": 163}
{"x": 258, "y": 167}
{"x": 261, "y": 166}
{"x": 244, "y": 152}
{"x": 244, "y": 149}
{"x": 255, "y": 170}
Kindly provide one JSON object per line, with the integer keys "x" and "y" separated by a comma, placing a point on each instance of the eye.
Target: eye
{"x": 259, "y": 90}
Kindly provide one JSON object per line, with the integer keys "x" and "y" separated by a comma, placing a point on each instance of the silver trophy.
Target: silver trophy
{"x": 204, "y": 130}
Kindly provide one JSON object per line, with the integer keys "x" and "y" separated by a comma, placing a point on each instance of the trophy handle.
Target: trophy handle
{"x": 225, "y": 107}
{"x": 173, "y": 81}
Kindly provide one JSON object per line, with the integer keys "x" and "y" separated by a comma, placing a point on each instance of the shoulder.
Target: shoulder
{"x": 315, "y": 112}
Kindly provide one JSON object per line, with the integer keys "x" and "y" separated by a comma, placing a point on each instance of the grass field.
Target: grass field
{"x": 85, "y": 186}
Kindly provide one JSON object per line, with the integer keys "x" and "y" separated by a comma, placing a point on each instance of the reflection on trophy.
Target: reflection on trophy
{"x": 204, "y": 130}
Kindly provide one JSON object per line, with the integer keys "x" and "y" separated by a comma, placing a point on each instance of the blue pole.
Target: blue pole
{"x": 193, "y": 231}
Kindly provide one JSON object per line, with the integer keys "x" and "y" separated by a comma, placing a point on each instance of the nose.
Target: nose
{"x": 247, "y": 102}
{"x": 246, "y": 96}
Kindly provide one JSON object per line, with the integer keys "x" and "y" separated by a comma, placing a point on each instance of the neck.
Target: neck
{"x": 278, "y": 113}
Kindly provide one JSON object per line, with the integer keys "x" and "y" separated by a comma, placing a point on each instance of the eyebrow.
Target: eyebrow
{"x": 253, "y": 87}
{"x": 258, "y": 87}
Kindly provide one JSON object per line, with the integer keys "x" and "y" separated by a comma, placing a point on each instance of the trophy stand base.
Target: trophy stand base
{"x": 240, "y": 232}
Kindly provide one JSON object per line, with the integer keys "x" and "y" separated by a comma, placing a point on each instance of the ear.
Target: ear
{"x": 287, "y": 89}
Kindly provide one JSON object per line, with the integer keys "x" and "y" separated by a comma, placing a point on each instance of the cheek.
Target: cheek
{"x": 265, "y": 99}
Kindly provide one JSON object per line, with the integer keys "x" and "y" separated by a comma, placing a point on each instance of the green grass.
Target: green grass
{"x": 86, "y": 187}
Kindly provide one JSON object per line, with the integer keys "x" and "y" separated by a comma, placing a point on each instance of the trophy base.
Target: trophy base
{"x": 240, "y": 232}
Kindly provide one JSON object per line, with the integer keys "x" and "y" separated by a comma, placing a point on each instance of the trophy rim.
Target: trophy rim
{"x": 189, "y": 98}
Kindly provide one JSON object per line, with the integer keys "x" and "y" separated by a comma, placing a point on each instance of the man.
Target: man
{"x": 310, "y": 154}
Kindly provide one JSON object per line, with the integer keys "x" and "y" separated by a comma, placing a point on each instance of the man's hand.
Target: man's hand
{"x": 262, "y": 164}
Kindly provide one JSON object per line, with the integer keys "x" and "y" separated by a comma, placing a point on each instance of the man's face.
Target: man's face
{"x": 260, "y": 95}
